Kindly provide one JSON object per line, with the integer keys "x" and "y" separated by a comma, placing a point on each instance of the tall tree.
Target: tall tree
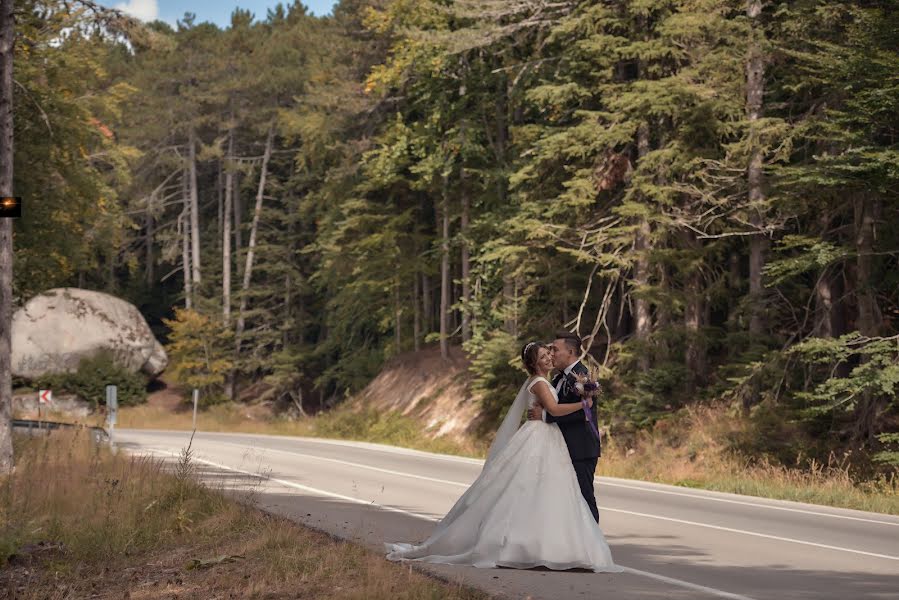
{"x": 7, "y": 46}
{"x": 444, "y": 274}
{"x": 194, "y": 206}
{"x": 755, "y": 91}
{"x": 254, "y": 232}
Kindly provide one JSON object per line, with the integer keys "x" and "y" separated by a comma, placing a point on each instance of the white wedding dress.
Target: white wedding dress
{"x": 524, "y": 510}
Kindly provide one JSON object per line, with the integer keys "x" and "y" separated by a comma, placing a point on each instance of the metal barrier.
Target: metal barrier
{"x": 32, "y": 427}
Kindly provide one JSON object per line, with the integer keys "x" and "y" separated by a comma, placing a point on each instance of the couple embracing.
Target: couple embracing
{"x": 533, "y": 503}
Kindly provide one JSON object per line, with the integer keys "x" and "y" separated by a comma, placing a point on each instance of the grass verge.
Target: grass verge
{"x": 78, "y": 521}
{"x": 342, "y": 423}
{"x": 693, "y": 452}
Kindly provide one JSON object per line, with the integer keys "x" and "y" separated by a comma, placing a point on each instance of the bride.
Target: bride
{"x": 528, "y": 472}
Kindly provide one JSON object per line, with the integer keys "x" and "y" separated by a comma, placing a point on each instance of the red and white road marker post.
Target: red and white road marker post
{"x": 44, "y": 397}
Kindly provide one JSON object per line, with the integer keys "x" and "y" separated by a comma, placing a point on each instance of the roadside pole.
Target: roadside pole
{"x": 196, "y": 401}
{"x": 43, "y": 397}
{"x": 112, "y": 408}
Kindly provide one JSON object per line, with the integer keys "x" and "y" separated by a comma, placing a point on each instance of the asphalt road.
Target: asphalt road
{"x": 674, "y": 542}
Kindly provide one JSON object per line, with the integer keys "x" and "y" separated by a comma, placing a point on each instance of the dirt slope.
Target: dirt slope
{"x": 424, "y": 386}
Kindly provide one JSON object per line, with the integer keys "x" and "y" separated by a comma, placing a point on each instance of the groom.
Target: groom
{"x": 583, "y": 447}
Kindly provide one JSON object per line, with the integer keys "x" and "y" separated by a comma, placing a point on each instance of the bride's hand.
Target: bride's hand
{"x": 589, "y": 401}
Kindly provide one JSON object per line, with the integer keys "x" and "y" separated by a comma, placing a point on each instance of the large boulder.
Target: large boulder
{"x": 56, "y": 329}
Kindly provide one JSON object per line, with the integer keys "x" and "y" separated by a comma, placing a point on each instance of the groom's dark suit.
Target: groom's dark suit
{"x": 583, "y": 447}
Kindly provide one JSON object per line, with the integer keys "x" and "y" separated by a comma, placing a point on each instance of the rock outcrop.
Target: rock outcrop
{"x": 58, "y": 328}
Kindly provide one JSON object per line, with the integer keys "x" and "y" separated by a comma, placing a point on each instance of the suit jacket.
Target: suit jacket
{"x": 580, "y": 440}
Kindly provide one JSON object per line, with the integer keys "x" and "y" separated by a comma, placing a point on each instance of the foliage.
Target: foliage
{"x": 68, "y": 164}
{"x": 890, "y": 457}
{"x": 496, "y": 375}
{"x": 579, "y": 165}
{"x": 876, "y": 371}
{"x": 200, "y": 353}
{"x": 92, "y": 376}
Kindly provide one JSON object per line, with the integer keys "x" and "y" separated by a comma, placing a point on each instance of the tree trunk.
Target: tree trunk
{"x": 226, "y": 233}
{"x": 194, "y": 211}
{"x": 868, "y": 312}
{"x": 869, "y": 317}
{"x": 734, "y": 283}
{"x": 427, "y": 304}
{"x": 755, "y": 89}
{"x": 111, "y": 265}
{"x": 220, "y": 197}
{"x": 444, "y": 278}
{"x": 694, "y": 312}
{"x": 254, "y": 228}
{"x": 285, "y": 334}
{"x": 509, "y": 321}
{"x": 149, "y": 225}
{"x": 416, "y": 316}
{"x": 823, "y": 307}
{"x": 455, "y": 294}
{"x": 642, "y": 316}
{"x": 398, "y": 317}
{"x": 501, "y": 117}
{"x": 238, "y": 224}
{"x": 184, "y": 230}
{"x": 226, "y": 248}
{"x": 663, "y": 315}
{"x": 466, "y": 264}
{"x": 7, "y": 45}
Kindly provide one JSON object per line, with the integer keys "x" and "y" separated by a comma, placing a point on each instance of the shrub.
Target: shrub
{"x": 89, "y": 381}
{"x": 200, "y": 353}
{"x": 497, "y": 375}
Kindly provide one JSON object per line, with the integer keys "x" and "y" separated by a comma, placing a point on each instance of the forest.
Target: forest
{"x": 703, "y": 190}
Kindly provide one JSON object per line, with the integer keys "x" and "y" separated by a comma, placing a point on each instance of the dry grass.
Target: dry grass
{"x": 384, "y": 427}
{"x": 693, "y": 452}
{"x": 78, "y": 521}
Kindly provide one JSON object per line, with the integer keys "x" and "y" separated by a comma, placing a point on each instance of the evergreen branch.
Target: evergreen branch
{"x": 35, "y": 102}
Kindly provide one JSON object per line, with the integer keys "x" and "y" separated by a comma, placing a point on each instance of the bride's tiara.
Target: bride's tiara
{"x": 528, "y": 347}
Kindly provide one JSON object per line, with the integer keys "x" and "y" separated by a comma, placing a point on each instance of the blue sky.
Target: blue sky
{"x": 217, "y": 11}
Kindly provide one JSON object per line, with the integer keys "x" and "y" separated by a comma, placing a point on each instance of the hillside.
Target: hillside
{"x": 422, "y": 386}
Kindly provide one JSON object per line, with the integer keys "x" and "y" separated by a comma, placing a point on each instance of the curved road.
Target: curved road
{"x": 675, "y": 542}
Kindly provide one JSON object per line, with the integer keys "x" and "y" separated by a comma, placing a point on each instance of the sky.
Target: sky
{"x": 217, "y": 11}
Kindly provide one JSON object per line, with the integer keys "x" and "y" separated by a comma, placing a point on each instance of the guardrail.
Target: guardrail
{"x": 33, "y": 427}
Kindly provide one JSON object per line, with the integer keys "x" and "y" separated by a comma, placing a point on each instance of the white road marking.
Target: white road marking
{"x": 295, "y": 485}
{"x": 603, "y": 509}
{"x": 752, "y": 533}
{"x": 321, "y": 441}
{"x": 352, "y": 464}
{"x": 306, "y": 488}
{"x": 685, "y": 584}
{"x": 641, "y": 488}
{"x": 610, "y": 481}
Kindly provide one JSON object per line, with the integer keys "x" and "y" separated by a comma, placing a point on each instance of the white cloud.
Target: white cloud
{"x": 145, "y": 10}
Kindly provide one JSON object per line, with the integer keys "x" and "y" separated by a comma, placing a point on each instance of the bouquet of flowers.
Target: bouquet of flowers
{"x": 587, "y": 386}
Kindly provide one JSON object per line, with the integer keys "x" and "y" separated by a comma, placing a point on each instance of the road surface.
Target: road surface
{"x": 675, "y": 542}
